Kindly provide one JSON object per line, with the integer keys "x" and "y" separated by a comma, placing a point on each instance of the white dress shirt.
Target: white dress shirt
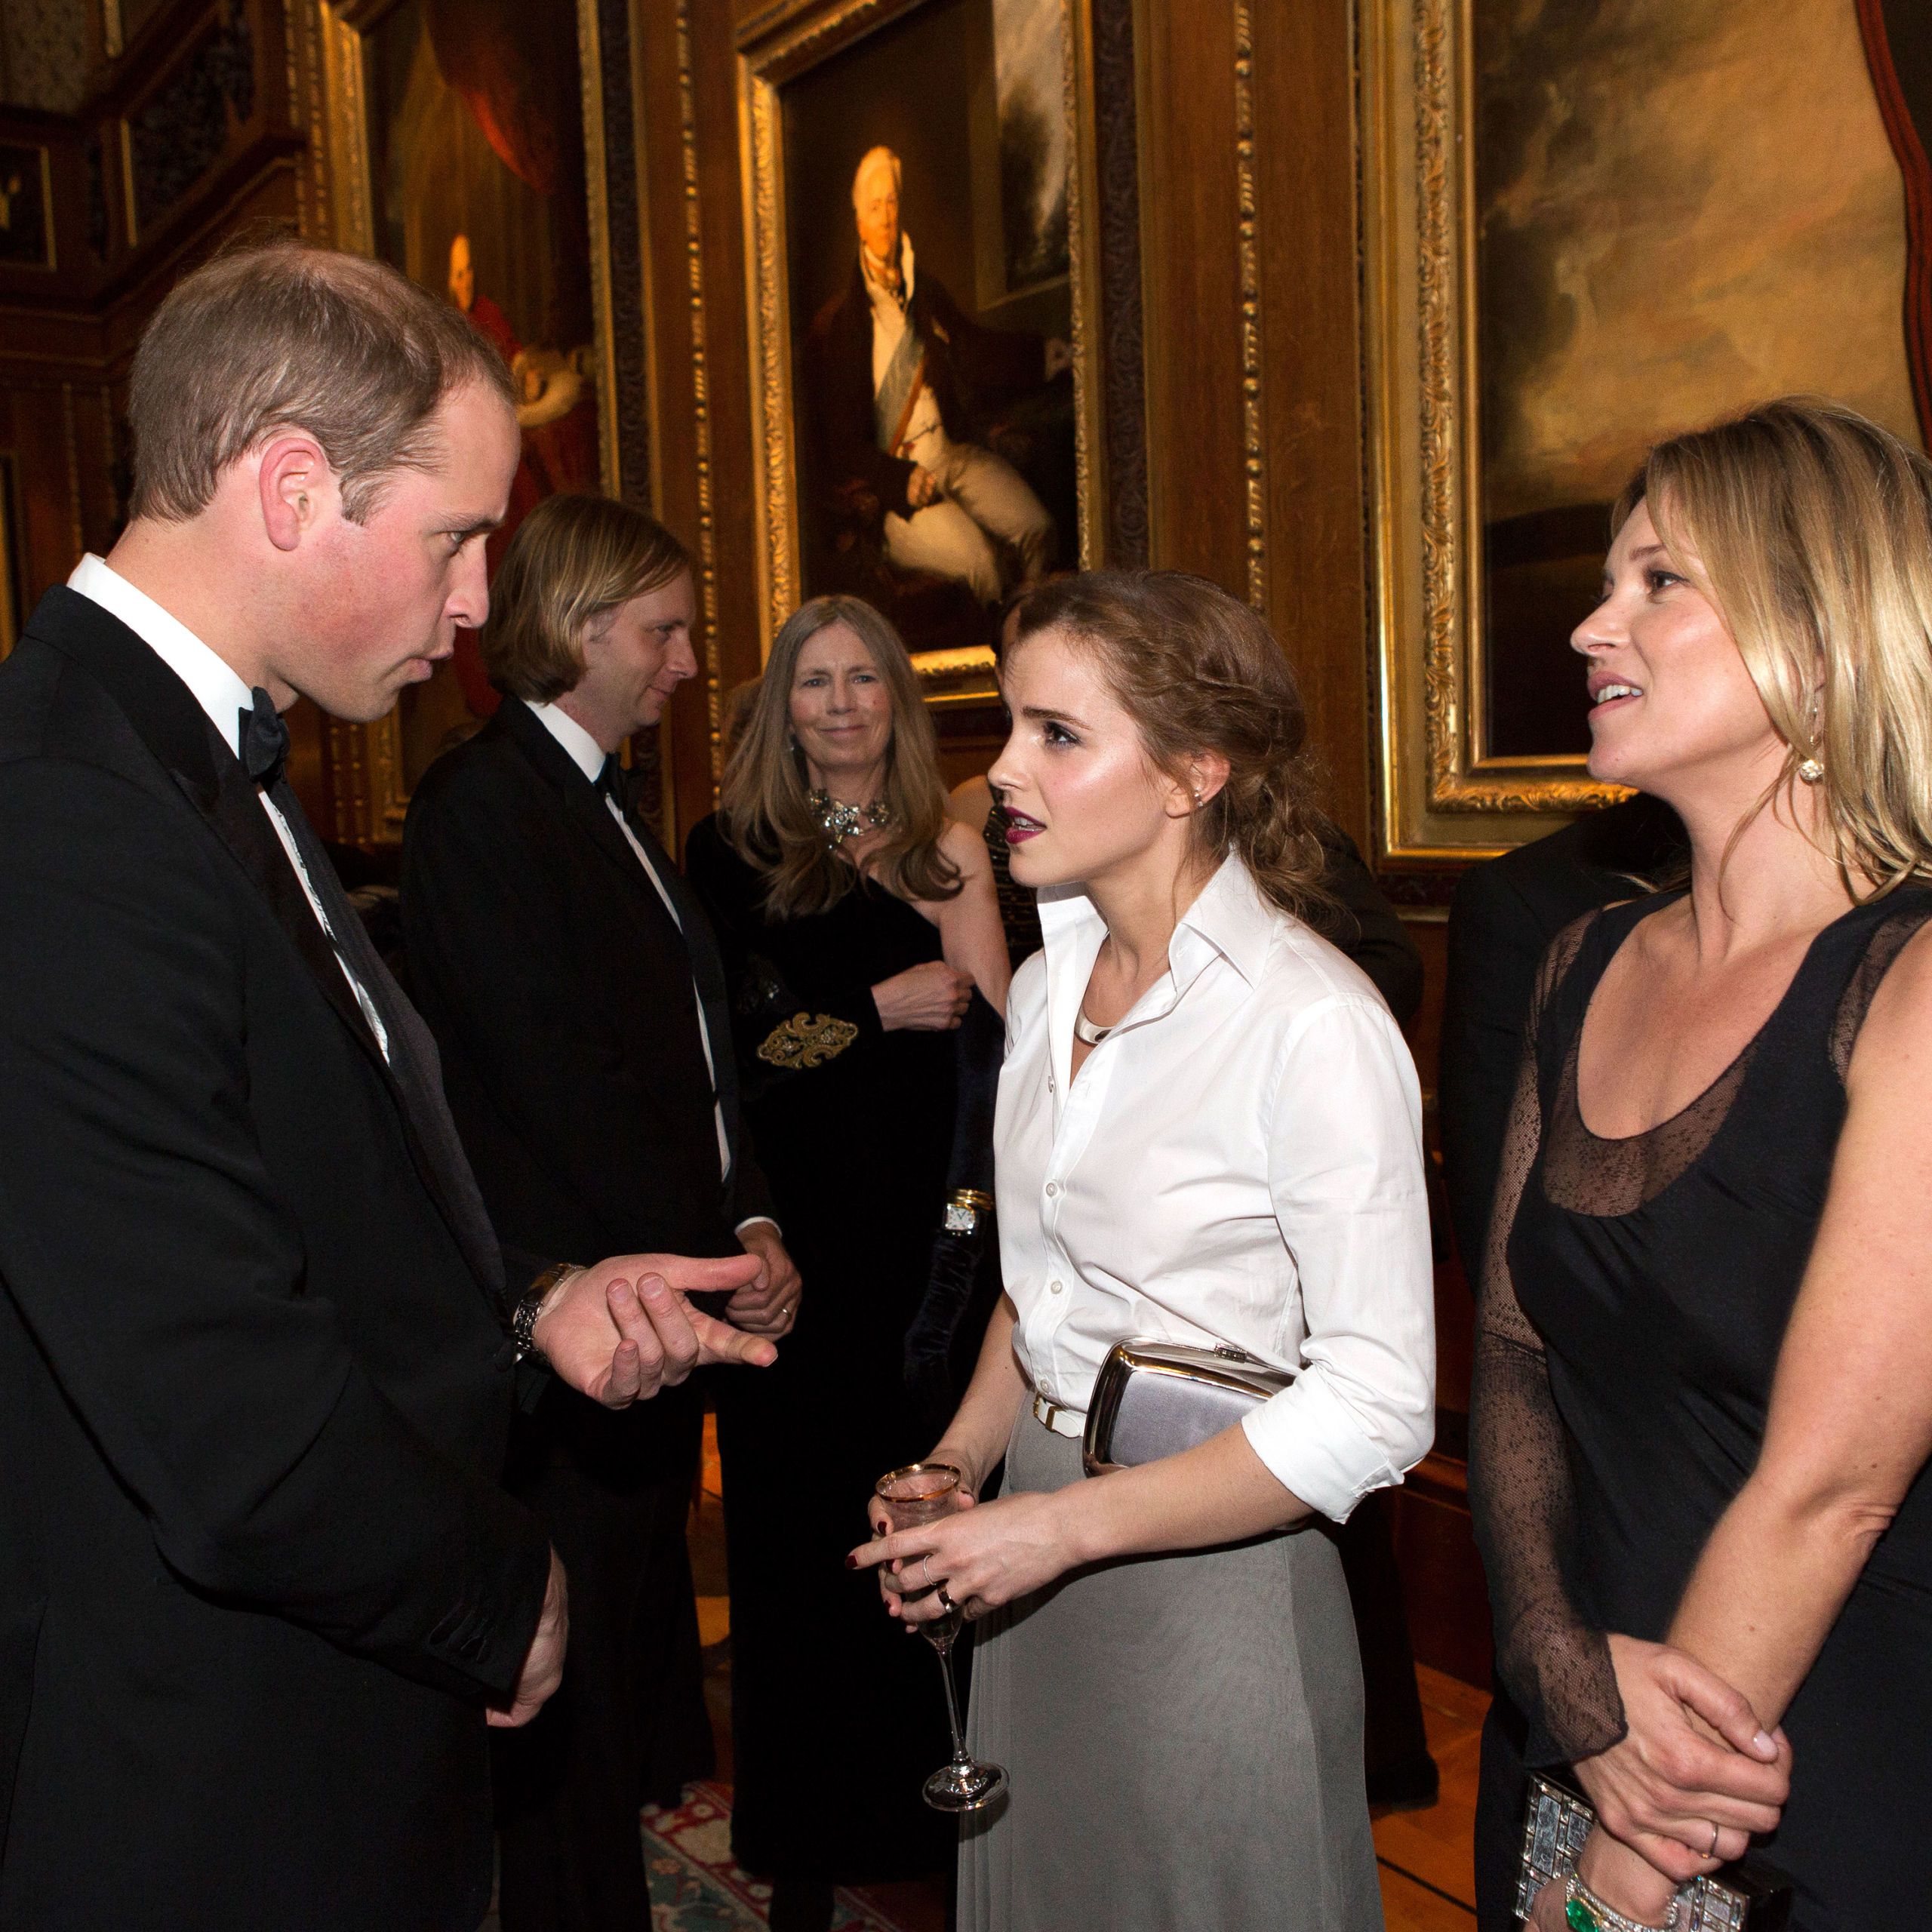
{"x": 589, "y": 755}
{"x": 218, "y": 689}
{"x": 1239, "y": 1160}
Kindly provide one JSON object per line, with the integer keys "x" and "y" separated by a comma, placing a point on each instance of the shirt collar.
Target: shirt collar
{"x": 1229, "y": 919}
{"x": 586, "y": 754}
{"x": 903, "y": 294}
{"x": 215, "y": 683}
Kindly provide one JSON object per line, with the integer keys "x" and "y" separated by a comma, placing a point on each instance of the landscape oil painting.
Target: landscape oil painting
{"x": 1682, "y": 207}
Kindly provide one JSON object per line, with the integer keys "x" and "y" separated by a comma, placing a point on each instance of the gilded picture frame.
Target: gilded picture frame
{"x": 1443, "y": 795}
{"x": 369, "y": 770}
{"x": 1565, "y": 259}
{"x": 777, "y": 47}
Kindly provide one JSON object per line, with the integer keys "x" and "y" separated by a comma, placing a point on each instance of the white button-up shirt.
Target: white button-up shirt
{"x": 1239, "y": 1160}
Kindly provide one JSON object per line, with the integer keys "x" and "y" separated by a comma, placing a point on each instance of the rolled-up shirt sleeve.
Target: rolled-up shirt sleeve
{"x": 1346, "y": 1177}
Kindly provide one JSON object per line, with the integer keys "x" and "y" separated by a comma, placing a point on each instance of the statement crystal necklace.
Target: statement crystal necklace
{"x": 840, "y": 822}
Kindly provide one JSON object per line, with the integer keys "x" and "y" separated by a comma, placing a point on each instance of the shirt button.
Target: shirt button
{"x": 1053, "y": 1287}
{"x": 1053, "y": 1187}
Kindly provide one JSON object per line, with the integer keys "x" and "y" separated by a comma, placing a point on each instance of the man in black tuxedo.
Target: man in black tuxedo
{"x": 258, "y": 1579}
{"x": 1505, "y": 914}
{"x": 575, "y": 990}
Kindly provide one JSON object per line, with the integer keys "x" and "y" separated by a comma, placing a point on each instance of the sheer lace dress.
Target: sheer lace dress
{"x": 1523, "y": 1486}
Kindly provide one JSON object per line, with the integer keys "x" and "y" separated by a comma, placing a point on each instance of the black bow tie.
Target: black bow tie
{"x": 264, "y": 742}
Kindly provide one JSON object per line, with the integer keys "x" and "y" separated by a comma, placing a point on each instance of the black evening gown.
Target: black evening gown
{"x": 1637, "y": 1298}
{"x": 837, "y": 1714}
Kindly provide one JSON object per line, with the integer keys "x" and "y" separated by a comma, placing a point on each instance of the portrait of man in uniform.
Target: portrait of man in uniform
{"x": 899, "y": 382}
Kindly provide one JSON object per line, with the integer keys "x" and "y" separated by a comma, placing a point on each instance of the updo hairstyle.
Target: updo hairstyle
{"x": 1198, "y": 671}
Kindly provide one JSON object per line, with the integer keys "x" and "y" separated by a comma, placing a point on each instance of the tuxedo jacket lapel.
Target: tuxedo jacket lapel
{"x": 586, "y": 804}
{"x": 707, "y": 976}
{"x": 688, "y": 935}
{"x": 165, "y": 716}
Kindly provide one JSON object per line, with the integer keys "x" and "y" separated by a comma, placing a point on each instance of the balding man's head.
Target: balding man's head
{"x": 262, "y": 339}
{"x": 875, "y": 203}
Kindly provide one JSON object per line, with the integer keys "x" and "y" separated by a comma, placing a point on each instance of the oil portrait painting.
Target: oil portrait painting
{"x": 925, "y": 218}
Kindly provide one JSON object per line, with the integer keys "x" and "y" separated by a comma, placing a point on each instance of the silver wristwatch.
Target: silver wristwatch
{"x": 523, "y": 1321}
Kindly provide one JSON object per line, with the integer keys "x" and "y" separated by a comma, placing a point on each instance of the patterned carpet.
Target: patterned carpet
{"x": 694, "y": 1886}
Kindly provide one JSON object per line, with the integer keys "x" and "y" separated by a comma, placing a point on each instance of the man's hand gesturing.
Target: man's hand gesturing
{"x": 623, "y": 1330}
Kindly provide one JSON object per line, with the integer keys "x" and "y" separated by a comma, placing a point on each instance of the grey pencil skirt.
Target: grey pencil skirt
{"x": 1183, "y": 1738}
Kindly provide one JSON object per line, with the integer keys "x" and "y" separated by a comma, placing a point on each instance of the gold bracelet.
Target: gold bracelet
{"x": 963, "y": 1206}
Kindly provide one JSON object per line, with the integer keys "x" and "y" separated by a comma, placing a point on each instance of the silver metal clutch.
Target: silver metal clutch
{"x": 1745, "y": 1897}
{"x": 1156, "y": 1398}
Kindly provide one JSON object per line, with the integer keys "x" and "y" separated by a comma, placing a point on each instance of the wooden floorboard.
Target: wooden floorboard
{"x": 1428, "y": 1865}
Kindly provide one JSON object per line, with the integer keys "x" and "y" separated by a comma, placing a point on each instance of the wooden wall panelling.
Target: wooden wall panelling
{"x": 704, "y": 480}
{"x": 1120, "y": 358}
{"x": 1184, "y": 66}
{"x": 1309, "y": 327}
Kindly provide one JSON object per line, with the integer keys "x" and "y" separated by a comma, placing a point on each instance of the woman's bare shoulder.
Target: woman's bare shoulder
{"x": 965, "y": 845}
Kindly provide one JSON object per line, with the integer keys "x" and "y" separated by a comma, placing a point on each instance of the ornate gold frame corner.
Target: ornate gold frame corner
{"x": 1444, "y": 796}
{"x": 371, "y": 800}
{"x": 776, "y": 46}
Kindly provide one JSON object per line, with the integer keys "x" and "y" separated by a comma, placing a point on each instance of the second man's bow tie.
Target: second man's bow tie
{"x": 264, "y": 741}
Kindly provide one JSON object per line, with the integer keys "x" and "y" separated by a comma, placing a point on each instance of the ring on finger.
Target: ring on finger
{"x": 1713, "y": 1852}
{"x": 926, "y": 1572}
{"x": 945, "y": 1602}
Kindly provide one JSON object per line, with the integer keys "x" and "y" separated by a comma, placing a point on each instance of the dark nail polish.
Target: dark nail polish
{"x": 851, "y": 1563}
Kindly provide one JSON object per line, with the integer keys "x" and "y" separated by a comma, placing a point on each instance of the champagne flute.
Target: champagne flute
{"x": 921, "y": 1493}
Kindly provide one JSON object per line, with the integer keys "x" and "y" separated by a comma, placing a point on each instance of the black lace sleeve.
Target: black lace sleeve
{"x": 1556, "y": 1667}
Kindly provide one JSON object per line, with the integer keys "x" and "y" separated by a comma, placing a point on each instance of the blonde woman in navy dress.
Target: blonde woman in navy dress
{"x": 1209, "y": 1131}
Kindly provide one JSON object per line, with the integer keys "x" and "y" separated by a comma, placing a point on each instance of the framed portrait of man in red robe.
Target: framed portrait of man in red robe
{"x": 466, "y": 120}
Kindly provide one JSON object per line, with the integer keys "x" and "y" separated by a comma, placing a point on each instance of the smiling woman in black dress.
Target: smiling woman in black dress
{"x": 857, "y": 922}
{"x": 1704, "y": 1379}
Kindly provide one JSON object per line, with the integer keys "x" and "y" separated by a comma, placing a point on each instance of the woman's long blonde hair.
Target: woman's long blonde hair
{"x": 765, "y": 814}
{"x": 1810, "y": 529}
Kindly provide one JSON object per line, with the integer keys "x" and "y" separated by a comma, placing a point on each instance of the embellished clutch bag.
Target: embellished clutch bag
{"x": 1745, "y": 1895}
{"x": 1155, "y": 1398}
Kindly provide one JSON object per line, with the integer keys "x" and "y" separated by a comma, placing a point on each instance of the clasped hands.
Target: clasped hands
{"x": 623, "y": 1329}
{"x": 1694, "y": 1776}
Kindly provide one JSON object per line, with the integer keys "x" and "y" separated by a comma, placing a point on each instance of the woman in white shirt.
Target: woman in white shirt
{"x": 1209, "y": 1131}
